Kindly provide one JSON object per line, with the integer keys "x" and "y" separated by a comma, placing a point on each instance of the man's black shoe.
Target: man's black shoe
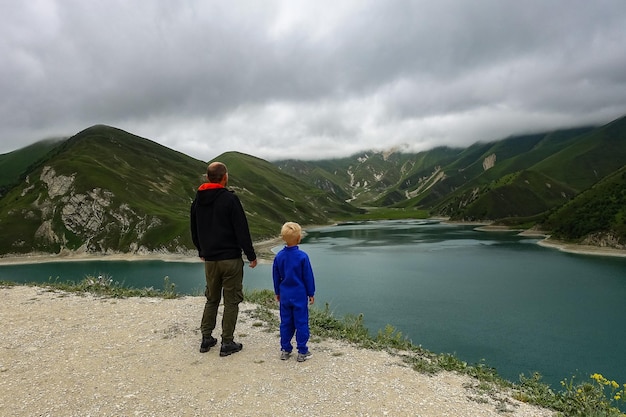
{"x": 229, "y": 348}
{"x": 207, "y": 343}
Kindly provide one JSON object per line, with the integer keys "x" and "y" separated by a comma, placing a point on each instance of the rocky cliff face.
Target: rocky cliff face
{"x": 604, "y": 240}
{"x": 489, "y": 162}
{"x": 89, "y": 221}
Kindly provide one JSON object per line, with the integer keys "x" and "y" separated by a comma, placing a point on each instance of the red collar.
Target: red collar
{"x": 210, "y": 186}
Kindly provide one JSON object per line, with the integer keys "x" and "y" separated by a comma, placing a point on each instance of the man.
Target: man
{"x": 219, "y": 230}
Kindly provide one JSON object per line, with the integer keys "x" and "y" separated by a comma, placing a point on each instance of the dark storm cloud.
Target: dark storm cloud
{"x": 305, "y": 79}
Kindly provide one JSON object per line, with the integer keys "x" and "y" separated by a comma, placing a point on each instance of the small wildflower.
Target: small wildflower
{"x": 597, "y": 377}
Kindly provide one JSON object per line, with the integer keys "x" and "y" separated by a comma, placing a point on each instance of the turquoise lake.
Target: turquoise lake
{"x": 484, "y": 296}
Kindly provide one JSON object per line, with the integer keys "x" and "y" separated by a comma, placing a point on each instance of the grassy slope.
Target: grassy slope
{"x": 139, "y": 174}
{"x": 271, "y": 197}
{"x": 156, "y": 185}
{"x": 14, "y": 165}
{"x": 599, "y": 209}
{"x": 532, "y": 175}
{"x": 513, "y": 156}
{"x": 593, "y": 156}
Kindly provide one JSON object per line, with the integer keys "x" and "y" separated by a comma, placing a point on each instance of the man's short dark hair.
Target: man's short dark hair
{"x": 216, "y": 171}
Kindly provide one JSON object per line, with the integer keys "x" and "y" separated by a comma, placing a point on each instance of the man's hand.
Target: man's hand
{"x": 253, "y": 263}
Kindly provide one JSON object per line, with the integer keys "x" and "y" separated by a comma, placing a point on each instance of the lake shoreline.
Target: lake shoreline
{"x": 263, "y": 249}
{"x": 548, "y": 242}
{"x": 266, "y": 255}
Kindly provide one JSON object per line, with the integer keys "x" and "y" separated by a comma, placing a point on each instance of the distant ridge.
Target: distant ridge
{"x": 517, "y": 181}
{"x": 105, "y": 190}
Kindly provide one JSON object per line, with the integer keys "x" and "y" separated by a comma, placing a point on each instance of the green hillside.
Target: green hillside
{"x": 14, "y": 165}
{"x": 365, "y": 179}
{"x": 271, "y": 197}
{"x": 481, "y": 184}
{"x": 520, "y": 195}
{"x": 519, "y": 180}
{"x": 593, "y": 156}
{"x": 106, "y": 190}
{"x": 595, "y": 216}
{"x": 102, "y": 190}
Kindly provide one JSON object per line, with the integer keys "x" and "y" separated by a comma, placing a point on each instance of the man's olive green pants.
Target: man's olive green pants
{"x": 222, "y": 277}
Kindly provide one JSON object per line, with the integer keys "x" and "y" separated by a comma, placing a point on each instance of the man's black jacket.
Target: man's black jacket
{"x": 219, "y": 227}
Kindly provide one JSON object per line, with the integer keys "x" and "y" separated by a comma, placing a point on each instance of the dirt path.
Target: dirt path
{"x": 78, "y": 355}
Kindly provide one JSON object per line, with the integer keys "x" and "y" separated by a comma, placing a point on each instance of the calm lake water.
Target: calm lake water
{"x": 491, "y": 296}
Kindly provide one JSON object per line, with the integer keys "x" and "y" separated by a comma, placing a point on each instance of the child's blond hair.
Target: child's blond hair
{"x": 291, "y": 233}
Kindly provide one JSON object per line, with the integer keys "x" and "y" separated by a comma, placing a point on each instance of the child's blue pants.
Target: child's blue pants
{"x": 294, "y": 318}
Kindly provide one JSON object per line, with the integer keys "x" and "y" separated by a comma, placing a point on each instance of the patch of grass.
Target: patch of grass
{"x": 103, "y": 285}
{"x": 265, "y": 308}
{"x": 350, "y": 328}
{"x": 595, "y": 397}
{"x": 261, "y": 297}
{"x": 268, "y": 317}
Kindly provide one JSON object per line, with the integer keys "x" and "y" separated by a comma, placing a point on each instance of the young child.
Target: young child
{"x": 294, "y": 286}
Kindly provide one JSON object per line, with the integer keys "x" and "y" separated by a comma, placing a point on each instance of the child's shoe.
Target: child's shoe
{"x": 284, "y": 355}
{"x": 304, "y": 356}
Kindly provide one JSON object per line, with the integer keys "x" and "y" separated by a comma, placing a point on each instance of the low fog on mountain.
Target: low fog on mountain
{"x": 309, "y": 79}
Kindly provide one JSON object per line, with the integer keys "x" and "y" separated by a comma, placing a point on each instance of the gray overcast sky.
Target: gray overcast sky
{"x": 308, "y": 79}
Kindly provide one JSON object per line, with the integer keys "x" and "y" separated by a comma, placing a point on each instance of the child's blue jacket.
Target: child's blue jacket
{"x": 292, "y": 273}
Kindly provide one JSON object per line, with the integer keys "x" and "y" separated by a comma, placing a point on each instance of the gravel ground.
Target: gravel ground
{"x": 78, "y": 355}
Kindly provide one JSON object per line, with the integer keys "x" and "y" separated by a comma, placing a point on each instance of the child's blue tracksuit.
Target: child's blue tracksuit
{"x": 294, "y": 283}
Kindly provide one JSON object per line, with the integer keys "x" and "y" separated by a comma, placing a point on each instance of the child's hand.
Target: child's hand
{"x": 311, "y": 300}
{"x": 278, "y": 297}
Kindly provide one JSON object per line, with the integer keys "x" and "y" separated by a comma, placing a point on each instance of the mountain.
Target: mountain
{"x": 106, "y": 190}
{"x": 516, "y": 181}
{"x": 369, "y": 178}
